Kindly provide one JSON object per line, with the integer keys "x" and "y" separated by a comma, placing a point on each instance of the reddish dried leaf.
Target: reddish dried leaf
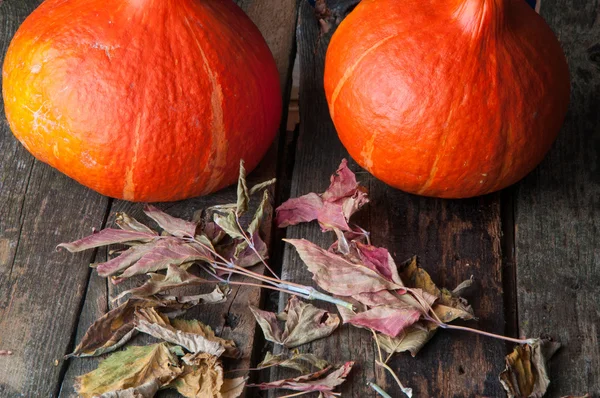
{"x": 128, "y": 223}
{"x": 298, "y": 210}
{"x": 167, "y": 251}
{"x": 173, "y": 225}
{"x": 311, "y": 382}
{"x": 389, "y": 320}
{"x": 338, "y": 275}
{"x": 304, "y": 323}
{"x": 107, "y": 237}
{"x": 332, "y": 209}
{"x": 176, "y": 277}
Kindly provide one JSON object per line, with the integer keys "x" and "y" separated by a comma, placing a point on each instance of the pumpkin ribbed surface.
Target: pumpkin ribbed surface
{"x": 144, "y": 100}
{"x": 446, "y": 98}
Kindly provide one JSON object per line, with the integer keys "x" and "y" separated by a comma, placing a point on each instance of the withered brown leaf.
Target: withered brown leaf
{"x": 116, "y": 327}
{"x": 525, "y": 374}
{"x": 303, "y": 323}
{"x": 294, "y": 360}
{"x": 139, "y": 369}
{"x": 191, "y": 335}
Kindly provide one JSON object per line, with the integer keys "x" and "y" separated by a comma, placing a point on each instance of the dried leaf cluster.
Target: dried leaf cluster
{"x": 189, "y": 357}
{"x": 399, "y": 304}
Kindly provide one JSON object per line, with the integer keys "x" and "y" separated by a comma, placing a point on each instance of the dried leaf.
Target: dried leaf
{"x": 136, "y": 367}
{"x": 243, "y": 197}
{"x": 244, "y": 256}
{"x": 176, "y": 277}
{"x": 197, "y": 327}
{"x": 338, "y": 275}
{"x": 525, "y": 374}
{"x": 145, "y": 390}
{"x": 228, "y": 223}
{"x": 193, "y": 336}
{"x": 128, "y": 223}
{"x": 342, "y": 184}
{"x": 173, "y": 225}
{"x": 298, "y": 210}
{"x": 233, "y": 388}
{"x": 259, "y": 187}
{"x": 332, "y": 209}
{"x": 411, "y": 339}
{"x": 303, "y": 323}
{"x": 389, "y": 320}
{"x": 124, "y": 260}
{"x": 106, "y": 237}
{"x": 449, "y": 306}
{"x": 312, "y": 382}
{"x": 269, "y": 324}
{"x": 166, "y": 251}
{"x": 264, "y": 208}
{"x": 116, "y": 327}
{"x": 203, "y": 379}
{"x": 296, "y": 361}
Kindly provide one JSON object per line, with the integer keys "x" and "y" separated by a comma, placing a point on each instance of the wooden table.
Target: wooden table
{"x": 534, "y": 249}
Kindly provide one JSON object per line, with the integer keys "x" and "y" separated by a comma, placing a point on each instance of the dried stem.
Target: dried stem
{"x": 296, "y": 394}
{"x": 481, "y": 332}
{"x": 251, "y": 244}
{"x": 378, "y": 390}
{"x": 407, "y": 391}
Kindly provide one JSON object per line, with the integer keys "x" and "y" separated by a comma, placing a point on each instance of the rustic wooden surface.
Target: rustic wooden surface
{"x": 454, "y": 239}
{"x": 557, "y": 215}
{"x": 532, "y": 249}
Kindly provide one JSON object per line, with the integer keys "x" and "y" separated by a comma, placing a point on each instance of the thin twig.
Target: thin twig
{"x": 251, "y": 244}
{"x": 377, "y": 344}
{"x": 296, "y": 394}
{"x": 407, "y": 391}
{"x": 379, "y": 390}
{"x": 481, "y": 332}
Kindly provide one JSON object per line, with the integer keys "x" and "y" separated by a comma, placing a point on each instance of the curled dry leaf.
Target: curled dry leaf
{"x": 172, "y": 225}
{"x": 127, "y": 223}
{"x": 202, "y": 377}
{"x": 297, "y": 361}
{"x": 117, "y": 327}
{"x": 137, "y": 371}
{"x": 525, "y": 374}
{"x": 316, "y": 381}
{"x": 332, "y": 209}
{"x": 107, "y": 237}
{"x": 303, "y": 323}
{"x": 449, "y": 306}
{"x": 177, "y": 277}
{"x": 411, "y": 339}
{"x": 191, "y": 335}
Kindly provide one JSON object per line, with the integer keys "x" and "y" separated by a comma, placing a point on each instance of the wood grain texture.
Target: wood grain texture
{"x": 558, "y": 216}
{"x": 454, "y": 239}
{"x": 41, "y": 289}
{"x": 277, "y": 20}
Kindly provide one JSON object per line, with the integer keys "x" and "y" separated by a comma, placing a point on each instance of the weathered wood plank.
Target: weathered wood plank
{"x": 558, "y": 216}
{"x": 41, "y": 290}
{"x": 454, "y": 239}
{"x": 277, "y": 20}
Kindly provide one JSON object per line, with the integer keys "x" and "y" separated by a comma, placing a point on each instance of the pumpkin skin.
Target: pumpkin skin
{"x": 446, "y": 98}
{"x": 143, "y": 100}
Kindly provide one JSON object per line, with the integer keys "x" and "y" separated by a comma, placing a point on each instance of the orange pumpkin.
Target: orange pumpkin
{"x": 143, "y": 100}
{"x": 446, "y": 98}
